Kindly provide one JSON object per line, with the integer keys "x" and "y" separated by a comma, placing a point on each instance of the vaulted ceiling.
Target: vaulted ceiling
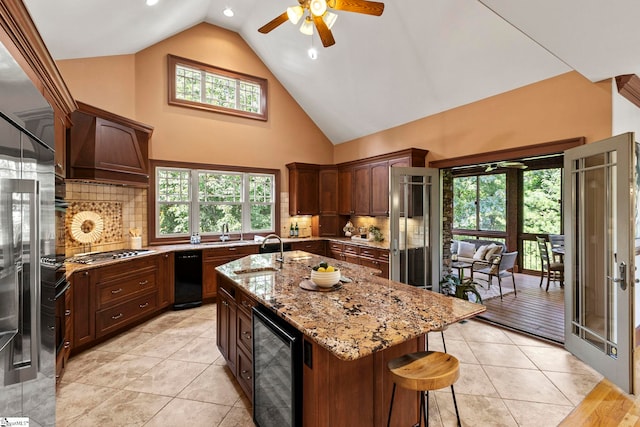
{"x": 419, "y": 58}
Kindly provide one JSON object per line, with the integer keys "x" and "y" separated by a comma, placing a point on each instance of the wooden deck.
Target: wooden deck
{"x": 533, "y": 311}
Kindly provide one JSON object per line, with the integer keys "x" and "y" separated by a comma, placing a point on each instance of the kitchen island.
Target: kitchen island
{"x": 350, "y": 334}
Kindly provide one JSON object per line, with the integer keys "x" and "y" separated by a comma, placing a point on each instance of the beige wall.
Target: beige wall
{"x": 183, "y": 134}
{"x": 562, "y": 107}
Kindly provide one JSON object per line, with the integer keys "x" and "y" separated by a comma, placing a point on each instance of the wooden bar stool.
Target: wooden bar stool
{"x": 424, "y": 371}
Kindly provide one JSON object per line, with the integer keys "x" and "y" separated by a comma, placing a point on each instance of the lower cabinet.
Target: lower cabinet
{"x": 361, "y": 255}
{"x": 110, "y": 298}
{"x": 234, "y": 332}
{"x": 317, "y": 247}
{"x": 211, "y": 258}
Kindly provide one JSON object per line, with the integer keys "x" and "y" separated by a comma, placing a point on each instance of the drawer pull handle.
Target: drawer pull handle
{"x": 233, "y": 249}
{"x": 247, "y": 335}
{"x": 117, "y": 316}
{"x": 67, "y": 344}
{"x": 67, "y": 312}
{"x": 116, "y": 291}
{"x": 245, "y": 372}
{"x": 143, "y": 282}
{"x": 143, "y": 305}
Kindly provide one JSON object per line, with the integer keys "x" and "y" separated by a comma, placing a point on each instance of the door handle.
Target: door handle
{"x": 622, "y": 273}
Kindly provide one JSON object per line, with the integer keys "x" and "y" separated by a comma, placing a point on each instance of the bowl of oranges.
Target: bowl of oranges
{"x": 325, "y": 275}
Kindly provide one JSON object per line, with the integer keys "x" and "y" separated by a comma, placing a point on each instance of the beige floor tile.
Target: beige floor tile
{"x": 530, "y": 414}
{"x": 214, "y": 385}
{"x": 481, "y": 332}
{"x": 164, "y": 322}
{"x": 474, "y": 410}
{"x": 557, "y": 360}
{"x": 473, "y": 380}
{"x": 124, "y": 408}
{"x": 500, "y": 355}
{"x": 162, "y": 345}
{"x": 86, "y": 362}
{"x": 125, "y": 342}
{"x": 460, "y": 349}
{"x": 237, "y": 417}
{"x": 119, "y": 372}
{"x": 454, "y": 331}
{"x": 167, "y": 378}
{"x": 525, "y": 384}
{"x": 192, "y": 326}
{"x": 200, "y": 350}
{"x": 74, "y": 400}
{"x": 206, "y": 311}
{"x": 180, "y": 412}
{"x": 574, "y": 386}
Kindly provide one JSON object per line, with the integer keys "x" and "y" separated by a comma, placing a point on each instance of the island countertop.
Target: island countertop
{"x": 368, "y": 315}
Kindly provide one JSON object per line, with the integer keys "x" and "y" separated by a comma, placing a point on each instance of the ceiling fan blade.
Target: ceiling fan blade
{"x": 324, "y": 32}
{"x": 358, "y": 6}
{"x": 273, "y": 23}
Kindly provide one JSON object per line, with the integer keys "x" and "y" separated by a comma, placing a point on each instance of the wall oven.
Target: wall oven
{"x": 277, "y": 371}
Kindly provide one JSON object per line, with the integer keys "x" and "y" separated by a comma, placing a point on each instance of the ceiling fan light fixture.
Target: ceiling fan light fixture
{"x": 294, "y": 13}
{"x": 318, "y": 7}
{"x": 330, "y": 18}
{"x": 151, "y": 2}
{"x": 307, "y": 27}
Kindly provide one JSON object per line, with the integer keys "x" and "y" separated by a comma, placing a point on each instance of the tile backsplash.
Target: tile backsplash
{"x": 120, "y": 208}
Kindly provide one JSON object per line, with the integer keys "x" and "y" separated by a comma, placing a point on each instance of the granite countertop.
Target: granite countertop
{"x": 365, "y": 316}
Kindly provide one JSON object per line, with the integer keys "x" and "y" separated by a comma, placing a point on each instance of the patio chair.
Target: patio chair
{"x": 553, "y": 270}
{"x": 557, "y": 242}
{"x": 501, "y": 266}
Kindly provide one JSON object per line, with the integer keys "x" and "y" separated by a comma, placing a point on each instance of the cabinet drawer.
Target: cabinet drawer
{"x": 244, "y": 302}
{"x": 336, "y": 247}
{"x": 110, "y": 319}
{"x": 116, "y": 291}
{"x": 226, "y": 251}
{"x": 124, "y": 268}
{"x": 369, "y": 253}
{"x": 245, "y": 332}
{"x": 244, "y": 365}
{"x": 351, "y": 249}
{"x": 383, "y": 255}
{"x": 314, "y": 247}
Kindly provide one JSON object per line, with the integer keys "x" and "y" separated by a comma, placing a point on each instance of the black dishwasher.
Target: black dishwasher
{"x": 277, "y": 371}
{"x": 188, "y": 280}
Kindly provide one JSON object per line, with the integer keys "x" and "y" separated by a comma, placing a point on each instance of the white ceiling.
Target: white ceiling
{"x": 419, "y": 58}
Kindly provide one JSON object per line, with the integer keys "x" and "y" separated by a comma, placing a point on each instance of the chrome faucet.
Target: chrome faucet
{"x": 275, "y": 236}
{"x": 225, "y": 232}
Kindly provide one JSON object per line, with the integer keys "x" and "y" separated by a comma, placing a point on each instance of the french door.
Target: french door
{"x": 600, "y": 268}
{"x": 415, "y": 226}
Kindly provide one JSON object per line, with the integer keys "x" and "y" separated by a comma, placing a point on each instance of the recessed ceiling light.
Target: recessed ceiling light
{"x": 228, "y": 12}
{"x": 151, "y": 2}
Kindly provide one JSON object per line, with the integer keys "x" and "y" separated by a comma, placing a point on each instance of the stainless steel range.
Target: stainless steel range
{"x": 101, "y": 257}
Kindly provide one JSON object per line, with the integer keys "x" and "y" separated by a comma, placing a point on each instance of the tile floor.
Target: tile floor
{"x": 168, "y": 371}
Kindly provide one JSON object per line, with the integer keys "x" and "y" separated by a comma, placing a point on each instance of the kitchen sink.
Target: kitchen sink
{"x": 255, "y": 270}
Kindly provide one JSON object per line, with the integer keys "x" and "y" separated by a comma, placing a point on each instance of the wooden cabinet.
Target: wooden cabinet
{"x": 361, "y": 255}
{"x": 166, "y": 280}
{"x": 60, "y": 137}
{"x": 326, "y": 226}
{"x": 234, "y": 333}
{"x": 111, "y": 298}
{"x": 106, "y": 147}
{"x": 345, "y": 191}
{"x": 362, "y": 190}
{"x": 211, "y": 258}
{"x": 379, "y": 189}
{"x": 62, "y": 355}
{"x": 328, "y": 191}
{"x": 317, "y": 247}
{"x": 83, "y": 310}
{"x": 304, "y": 186}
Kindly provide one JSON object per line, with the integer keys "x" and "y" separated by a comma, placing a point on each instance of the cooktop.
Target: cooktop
{"x": 100, "y": 257}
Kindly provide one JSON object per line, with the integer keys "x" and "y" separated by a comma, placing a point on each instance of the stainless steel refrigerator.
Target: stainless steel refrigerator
{"x": 27, "y": 232}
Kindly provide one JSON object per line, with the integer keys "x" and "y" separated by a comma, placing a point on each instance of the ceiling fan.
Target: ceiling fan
{"x": 505, "y": 164}
{"x": 315, "y": 12}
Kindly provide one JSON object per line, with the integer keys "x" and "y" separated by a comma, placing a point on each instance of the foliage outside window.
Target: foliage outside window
{"x": 202, "y": 201}
{"x": 196, "y": 85}
{"x": 479, "y": 202}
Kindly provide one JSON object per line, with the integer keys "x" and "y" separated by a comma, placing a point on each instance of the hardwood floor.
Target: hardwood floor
{"x": 533, "y": 311}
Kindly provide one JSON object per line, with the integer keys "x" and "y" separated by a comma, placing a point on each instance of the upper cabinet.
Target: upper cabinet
{"x": 304, "y": 188}
{"x": 328, "y": 191}
{"x": 106, "y": 147}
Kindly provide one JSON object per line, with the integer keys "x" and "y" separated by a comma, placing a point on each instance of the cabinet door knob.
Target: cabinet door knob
{"x": 116, "y": 291}
{"x": 117, "y": 316}
{"x": 146, "y": 304}
{"x": 143, "y": 282}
